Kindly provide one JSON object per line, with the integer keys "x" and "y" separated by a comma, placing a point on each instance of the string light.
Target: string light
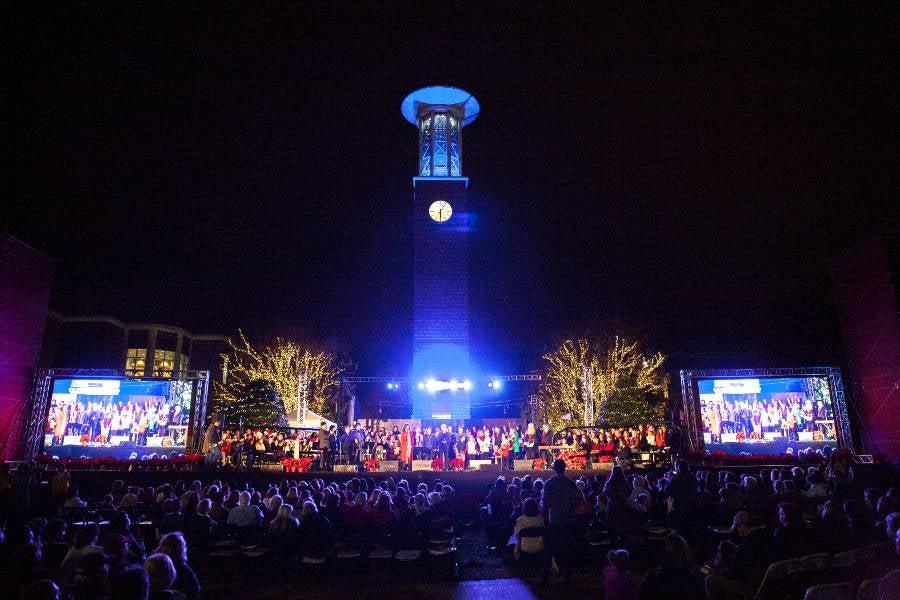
{"x": 281, "y": 364}
{"x": 627, "y": 387}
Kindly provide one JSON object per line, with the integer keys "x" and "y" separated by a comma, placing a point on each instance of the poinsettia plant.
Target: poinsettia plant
{"x": 297, "y": 465}
{"x": 84, "y": 439}
{"x": 539, "y": 464}
{"x": 740, "y": 436}
{"x": 457, "y": 464}
{"x": 437, "y": 464}
{"x": 370, "y": 465}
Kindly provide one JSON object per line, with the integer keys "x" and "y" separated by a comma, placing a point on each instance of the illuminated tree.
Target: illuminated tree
{"x": 608, "y": 382}
{"x": 259, "y": 405}
{"x": 281, "y": 364}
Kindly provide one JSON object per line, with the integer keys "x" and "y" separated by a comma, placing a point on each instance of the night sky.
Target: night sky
{"x": 688, "y": 175}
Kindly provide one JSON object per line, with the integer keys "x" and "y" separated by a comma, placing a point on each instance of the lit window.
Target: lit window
{"x": 163, "y": 363}
{"x": 136, "y": 361}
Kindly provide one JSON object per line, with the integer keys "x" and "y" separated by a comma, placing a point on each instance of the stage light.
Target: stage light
{"x": 390, "y": 386}
{"x": 467, "y": 385}
{"x": 454, "y": 385}
{"x": 495, "y": 384}
{"x": 421, "y": 385}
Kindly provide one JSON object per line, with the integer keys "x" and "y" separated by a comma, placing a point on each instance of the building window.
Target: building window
{"x": 163, "y": 363}
{"x": 136, "y": 361}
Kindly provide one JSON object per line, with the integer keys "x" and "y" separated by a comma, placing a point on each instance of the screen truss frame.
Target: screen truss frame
{"x": 691, "y": 397}
{"x": 38, "y": 401}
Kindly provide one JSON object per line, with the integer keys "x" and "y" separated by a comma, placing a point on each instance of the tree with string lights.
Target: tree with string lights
{"x": 609, "y": 382}
{"x": 282, "y": 364}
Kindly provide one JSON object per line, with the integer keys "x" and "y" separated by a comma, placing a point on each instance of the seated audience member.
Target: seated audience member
{"x": 817, "y": 486}
{"x": 284, "y": 525}
{"x": 357, "y": 517}
{"x": 73, "y": 501}
{"x": 53, "y": 545}
{"x": 316, "y": 535}
{"x": 161, "y": 577}
{"x": 85, "y": 542}
{"x": 383, "y": 518}
{"x": 791, "y": 539}
{"x": 120, "y": 524}
{"x": 892, "y": 525}
{"x": 674, "y": 577}
{"x": 533, "y": 542}
{"x": 617, "y": 581}
{"x": 131, "y": 584}
{"x": 92, "y": 577}
{"x": 174, "y": 546}
{"x": 830, "y": 530}
{"x": 172, "y": 520}
{"x": 332, "y": 511}
{"x": 199, "y": 526}
{"x": 750, "y": 560}
{"x": 245, "y": 514}
{"x": 860, "y": 528}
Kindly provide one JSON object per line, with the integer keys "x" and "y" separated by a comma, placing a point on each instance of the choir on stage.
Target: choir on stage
{"x": 442, "y": 445}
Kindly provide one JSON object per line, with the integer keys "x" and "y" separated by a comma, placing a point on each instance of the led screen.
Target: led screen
{"x": 766, "y": 415}
{"x": 118, "y": 412}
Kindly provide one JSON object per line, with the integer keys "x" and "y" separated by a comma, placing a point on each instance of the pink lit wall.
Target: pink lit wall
{"x": 871, "y": 334}
{"x": 25, "y": 278}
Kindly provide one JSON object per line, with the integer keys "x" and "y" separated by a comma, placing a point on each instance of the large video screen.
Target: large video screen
{"x": 118, "y": 412}
{"x": 767, "y": 415}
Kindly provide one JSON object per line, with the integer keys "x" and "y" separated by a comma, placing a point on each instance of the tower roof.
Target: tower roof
{"x": 440, "y": 95}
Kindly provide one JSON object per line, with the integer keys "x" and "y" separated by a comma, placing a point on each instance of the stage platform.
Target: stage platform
{"x": 110, "y": 451}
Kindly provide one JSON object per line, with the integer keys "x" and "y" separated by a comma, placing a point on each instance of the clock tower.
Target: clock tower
{"x": 441, "y": 372}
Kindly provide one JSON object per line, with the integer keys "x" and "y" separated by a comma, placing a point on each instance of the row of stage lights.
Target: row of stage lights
{"x": 433, "y": 385}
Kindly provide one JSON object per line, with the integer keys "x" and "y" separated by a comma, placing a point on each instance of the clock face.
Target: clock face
{"x": 440, "y": 211}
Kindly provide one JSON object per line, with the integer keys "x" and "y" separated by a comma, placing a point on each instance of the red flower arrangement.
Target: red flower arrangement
{"x": 370, "y": 465}
{"x": 108, "y": 463}
{"x": 574, "y": 460}
{"x": 740, "y": 436}
{"x": 457, "y": 464}
{"x": 100, "y": 439}
{"x": 437, "y": 464}
{"x": 297, "y": 465}
{"x": 84, "y": 439}
{"x": 720, "y": 458}
{"x": 539, "y": 464}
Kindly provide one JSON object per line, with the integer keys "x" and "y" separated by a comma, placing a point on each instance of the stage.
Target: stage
{"x": 70, "y": 451}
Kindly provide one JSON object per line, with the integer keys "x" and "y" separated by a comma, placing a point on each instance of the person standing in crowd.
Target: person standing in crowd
{"x": 210, "y": 445}
{"x": 407, "y": 445}
{"x": 324, "y": 446}
{"x": 558, "y": 505}
{"x": 546, "y": 440}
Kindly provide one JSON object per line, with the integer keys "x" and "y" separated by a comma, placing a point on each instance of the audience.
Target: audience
{"x": 666, "y": 520}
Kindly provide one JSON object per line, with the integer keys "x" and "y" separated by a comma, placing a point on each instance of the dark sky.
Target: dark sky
{"x": 687, "y": 173}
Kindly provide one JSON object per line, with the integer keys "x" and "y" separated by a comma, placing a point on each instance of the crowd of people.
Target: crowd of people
{"x": 61, "y": 555}
{"x": 701, "y": 533}
{"x": 353, "y": 444}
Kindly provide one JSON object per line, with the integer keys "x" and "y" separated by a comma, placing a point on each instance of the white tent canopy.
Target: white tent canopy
{"x": 310, "y": 420}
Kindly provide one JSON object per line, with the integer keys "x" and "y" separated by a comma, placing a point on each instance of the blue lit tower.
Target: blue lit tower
{"x": 441, "y": 371}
